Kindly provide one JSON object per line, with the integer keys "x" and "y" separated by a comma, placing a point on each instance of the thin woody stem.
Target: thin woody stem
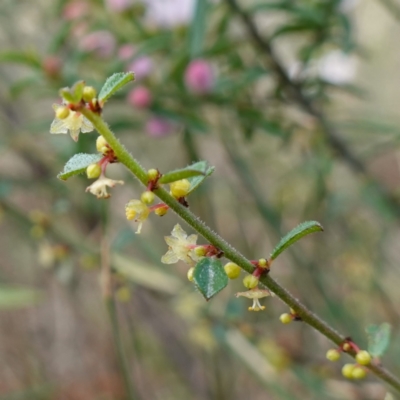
{"x": 229, "y": 252}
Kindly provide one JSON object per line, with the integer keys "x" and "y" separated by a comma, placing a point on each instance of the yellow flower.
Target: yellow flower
{"x": 181, "y": 247}
{"x": 138, "y": 211}
{"x": 74, "y": 123}
{"x": 99, "y": 187}
{"x": 255, "y": 294}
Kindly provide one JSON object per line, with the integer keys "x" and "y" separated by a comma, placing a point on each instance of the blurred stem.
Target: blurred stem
{"x": 295, "y": 91}
{"x": 230, "y": 253}
{"x": 108, "y": 296}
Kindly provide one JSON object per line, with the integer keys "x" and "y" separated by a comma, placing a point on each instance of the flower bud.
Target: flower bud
{"x": 263, "y": 263}
{"x": 62, "y": 112}
{"x": 232, "y": 270}
{"x": 358, "y": 373}
{"x": 363, "y": 357}
{"x": 190, "y": 274}
{"x": 346, "y": 347}
{"x": 199, "y": 77}
{"x": 333, "y": 355}
{"x": 152, "y": 174}
{"x": 286, "y": 318}
{"x": 200, "y": 251}
{"x": 102, "y": 145}
{"x": 250, "y": 281}
{"x": 161, "y": 211}
{"x": 93, "y": 171}
{"x": 347, "y": 370}
{"x": 147, "y": 197}
{"x": 140, "y": 97}
{"x": 180, "y": 188}
{"x": 89, "y": 93}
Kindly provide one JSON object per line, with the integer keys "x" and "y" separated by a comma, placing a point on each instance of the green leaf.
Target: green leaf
{"x": 305, "y": 228}
{"x": 78, "y": 164}
{"x": 195, "y": 181}
{"x": 114, "y": 83}
{"x": 378, "y": 338}
{"x": 209, "y": 277}
{"x": 17, "y": 297}
{"x": 198, "y": 28}
{"x": 183, "y": 173}
{"x": 67, "y": 95}
{"x": 27, "y": 58}
{"x": 73, "y": 95}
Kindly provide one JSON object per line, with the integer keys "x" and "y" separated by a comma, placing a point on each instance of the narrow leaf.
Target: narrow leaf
{"x": 305, "y": 228}
{"x": 114, "y": 83}
{"x": 19, "y": 57}
{"x": 195, "y": 181}
{"x": 209, "y": 277}
{"x": 77, "y": 91}
{"x": 78, "y": 164}
{"x": 198, "y": 28}
{"x": 17, "y": 297}
{"x": 67, "y": 95}
{"x": 378, "y": 339}
{"x": 183, "y": 173}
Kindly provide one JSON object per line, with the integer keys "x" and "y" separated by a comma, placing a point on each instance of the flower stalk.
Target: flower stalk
{"x": 230, "y": 253}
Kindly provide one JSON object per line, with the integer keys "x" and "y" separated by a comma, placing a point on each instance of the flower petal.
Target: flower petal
{"x": 58, "y": 126}
{"x": 169, "y": 257}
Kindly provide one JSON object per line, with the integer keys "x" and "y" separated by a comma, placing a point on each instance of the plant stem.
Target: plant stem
{"x": 229, "y": 252}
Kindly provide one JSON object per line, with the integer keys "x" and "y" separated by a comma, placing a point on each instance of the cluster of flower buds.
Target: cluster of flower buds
{"x": 351, "y": 371}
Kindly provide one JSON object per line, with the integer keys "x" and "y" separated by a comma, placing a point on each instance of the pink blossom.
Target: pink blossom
{"x": 118, "y": 5}
{"x": 199, "y": 77}
{"x": 141, "y": 66}
{"x": 170, "y": 13}
{"x": 126, "y": 52}
{"x": 100, "y": 42}
{"x": 158, "y": 127}
{"x": 52, "y": 66}
{"x": 140, "y": 97}
{"x": 75, "y": 9}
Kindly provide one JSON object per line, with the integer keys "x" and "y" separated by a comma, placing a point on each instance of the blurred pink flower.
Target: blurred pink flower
{"x": 158, "y": 127}
{"x": 140, "y": 97}
{"x": 118, "y": 5}
{"x": 52, "y": 66}
{"x": 199, "y": 77}
{"x": 126, "y": 52}
{"x": 75, "y": 9}
{"x": 141, "y": 66}
{"x": 169, "y": 13}
{"x": 100, "y": 42}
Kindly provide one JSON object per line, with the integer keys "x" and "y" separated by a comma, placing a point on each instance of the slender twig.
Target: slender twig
{"x": 229, "y": 252}
{"x": 295, "y": 91}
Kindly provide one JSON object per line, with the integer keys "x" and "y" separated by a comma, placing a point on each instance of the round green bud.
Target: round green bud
{"x": 346, "y": 347}
{"x": 93, "y": 171}
{"x": 250, "y": 281}
{"x": 147, "y": 197}
{"x": 333, "y": 355}
{"x": 232, "y": 270}
{"x": 89, "y": 93}
{"x": 358, "y": 373}
{"x": 101, "y": 145}
{"x": 190, "y": 274}
{"x": 286, "y": 318}
{"x": 62, "y": 112}
{"x": 347, "y": 370}
{"x": 363, "y": 357}
{"x": 180, "y": 188}
{"x": 152, "y": 174}
{"x": 262, "y": 262}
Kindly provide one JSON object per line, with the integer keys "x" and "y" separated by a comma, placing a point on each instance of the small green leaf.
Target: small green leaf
{"x": 198, "y": 28}
{"x": 27, "y": 58}
{"x": 114, "y": 83}
{"x": 67, "y": 95}
{"x": 17, "y": 297}
{"x": 294, "y": 235}
{"x": 183, "y": 173}
{"x": 73, "y": 95}
{"x": 209, "y": 277}
{"x": 195, "y": 181}
{"x": 378, "y": 339}
{"x": 78, "y": 164}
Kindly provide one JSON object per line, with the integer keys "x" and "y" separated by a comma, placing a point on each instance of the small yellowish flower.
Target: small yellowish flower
{"x": 179, "y": 188}
{"x": 99, "y": 187}
{"x": 74, "y": 123}
{"x": 181, "y": 247}
{"x": 255, "y": 294}
{"x": 138, "y": 211}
